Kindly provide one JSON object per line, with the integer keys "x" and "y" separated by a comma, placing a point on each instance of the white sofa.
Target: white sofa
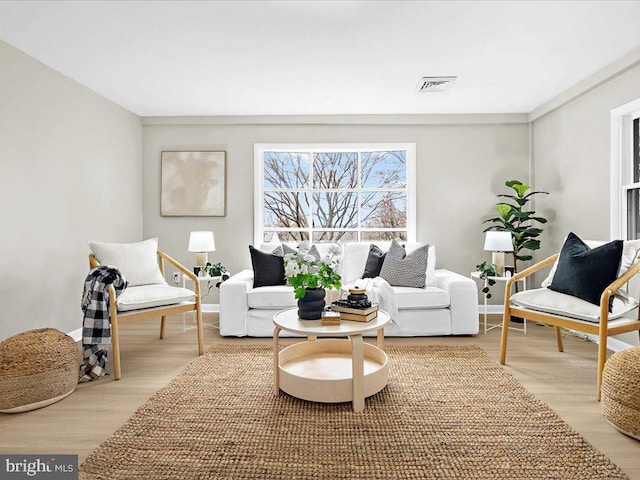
{"x": 448, "y": 305}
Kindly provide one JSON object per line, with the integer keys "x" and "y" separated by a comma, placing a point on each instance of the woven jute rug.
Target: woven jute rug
{"x": 448, "y": 412}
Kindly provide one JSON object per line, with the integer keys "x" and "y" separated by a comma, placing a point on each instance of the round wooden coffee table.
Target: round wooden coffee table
{"x": 330, "y": 370}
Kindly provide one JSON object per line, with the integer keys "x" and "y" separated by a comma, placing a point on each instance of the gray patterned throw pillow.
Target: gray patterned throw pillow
{"x": 402, "y": 270}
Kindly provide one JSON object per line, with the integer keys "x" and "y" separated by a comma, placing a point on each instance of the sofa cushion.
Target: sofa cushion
{"x": 405, "y": 270}
{"x": 548, "y": 301}
{"x": 147, "y": 296}
{"x": 137, "y": 262}
{"x": 268, "y": 268}
{"x": 421, "y": 298}
{"x": 275, "y": 297}
{"x": 585, "y": 272}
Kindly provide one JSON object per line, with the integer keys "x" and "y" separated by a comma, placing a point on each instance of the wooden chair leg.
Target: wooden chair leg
{"x": 162, "y": 323}
{"x": 115, "y": 336}
{"x": 506, "y": 318}
{"x": 559, "y": 339}
{"x": 115, "y": 340}
{"x": 200, "y": 334}
{"x": 602, "y": 358}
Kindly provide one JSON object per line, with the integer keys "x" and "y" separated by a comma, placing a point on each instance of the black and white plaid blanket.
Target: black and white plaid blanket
{"x": 96, "y": 328}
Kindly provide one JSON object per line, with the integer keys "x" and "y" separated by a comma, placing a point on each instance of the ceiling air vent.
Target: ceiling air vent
{"x": 435, "y": 84}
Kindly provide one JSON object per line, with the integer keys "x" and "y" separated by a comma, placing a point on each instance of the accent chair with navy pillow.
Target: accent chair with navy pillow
{"x": 585, "y": 292}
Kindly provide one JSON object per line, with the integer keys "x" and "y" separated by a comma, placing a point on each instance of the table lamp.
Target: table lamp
{"x": 498, "y": 243}
{"x": 202, "y": 243}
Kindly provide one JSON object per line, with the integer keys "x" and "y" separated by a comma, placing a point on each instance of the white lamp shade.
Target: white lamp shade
{"x": 498, "y": 241}
{"x": 202, "y": 242}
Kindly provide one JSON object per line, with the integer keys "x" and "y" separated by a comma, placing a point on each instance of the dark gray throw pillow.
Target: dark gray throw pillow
{"x": 374, "y": 262}
{"x": 268, "y": 268}
{"x": 402, "y": 270}
{"x": 585, "y": 272}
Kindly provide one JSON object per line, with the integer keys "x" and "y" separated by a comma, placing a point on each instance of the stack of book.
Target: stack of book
{"x": 330, "y": 318}
{"x": 356, "y": 314}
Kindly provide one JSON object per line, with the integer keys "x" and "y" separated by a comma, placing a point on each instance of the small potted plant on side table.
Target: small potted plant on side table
{"x": 487, "y": 270}
{"x": 217, "y": 270}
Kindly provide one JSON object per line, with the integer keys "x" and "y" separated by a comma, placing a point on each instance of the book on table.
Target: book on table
{"x": 355, "y": 311}
{"x": 357, "y": 317}
{"x": 330, "y": 318}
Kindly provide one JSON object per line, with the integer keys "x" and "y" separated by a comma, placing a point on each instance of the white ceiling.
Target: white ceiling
{"x": 322, "y": 57}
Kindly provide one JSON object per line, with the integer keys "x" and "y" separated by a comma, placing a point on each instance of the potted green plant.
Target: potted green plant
{"x": 514, "y": 217}
{"x": 310, "y": 276}
{"x": 217, "y": 270}
{"x": 487, "y": 270}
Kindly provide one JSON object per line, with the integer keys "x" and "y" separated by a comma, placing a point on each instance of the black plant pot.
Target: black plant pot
{"x": 310, "y": 306}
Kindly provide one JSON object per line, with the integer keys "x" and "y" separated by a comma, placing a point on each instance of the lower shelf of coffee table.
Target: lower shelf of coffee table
{"x": 321, "y": 370}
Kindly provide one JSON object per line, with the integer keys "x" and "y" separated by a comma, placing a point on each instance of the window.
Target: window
{"x": 332, "y": 193}
{"x": 625, "y": 158}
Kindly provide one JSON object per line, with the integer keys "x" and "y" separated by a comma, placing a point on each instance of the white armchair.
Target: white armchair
{"x": 148, "y": 295}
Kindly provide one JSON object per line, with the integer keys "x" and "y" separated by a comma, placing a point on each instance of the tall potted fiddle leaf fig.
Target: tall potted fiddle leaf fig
{"x": 513, "y": 216}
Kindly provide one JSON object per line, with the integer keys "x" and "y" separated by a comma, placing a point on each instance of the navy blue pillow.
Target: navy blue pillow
{"x": 585, "y": 272}
{"x": 268, "y": 268}
{"x": 374, "y": 262}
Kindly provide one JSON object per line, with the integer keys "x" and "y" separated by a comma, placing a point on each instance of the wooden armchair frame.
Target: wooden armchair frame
{"x": 602, "y": 329}
{"x": 116, "y": 317}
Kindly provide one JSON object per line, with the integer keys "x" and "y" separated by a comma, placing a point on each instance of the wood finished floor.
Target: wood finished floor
{"x": 79, "y": 423}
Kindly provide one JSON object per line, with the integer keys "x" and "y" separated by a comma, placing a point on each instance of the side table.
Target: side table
{"x": 498, "y": 280}
{"x": 206, "y": 284}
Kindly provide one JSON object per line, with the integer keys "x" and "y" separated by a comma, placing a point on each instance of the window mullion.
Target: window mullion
{"x": 312, "y": 204}
{"x": 359, "y": 195}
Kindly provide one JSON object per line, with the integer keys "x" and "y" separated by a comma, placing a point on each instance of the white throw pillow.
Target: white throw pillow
{"x": 137, "y": 262}
{"x": 630, "y": 252}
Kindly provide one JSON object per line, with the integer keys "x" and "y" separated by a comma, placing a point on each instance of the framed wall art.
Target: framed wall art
{"x": 193, "y": 184}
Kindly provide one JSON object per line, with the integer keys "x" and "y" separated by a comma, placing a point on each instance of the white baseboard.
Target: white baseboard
{"x": 76, "y": 335}
{"x": 206, "y": 308}
{"x": 613, "y": 344}
{"x": 491, "y": 309}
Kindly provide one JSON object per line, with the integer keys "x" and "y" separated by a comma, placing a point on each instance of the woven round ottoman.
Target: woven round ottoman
{"x": 620, "y": 397}
{"x": 37, "y": 368}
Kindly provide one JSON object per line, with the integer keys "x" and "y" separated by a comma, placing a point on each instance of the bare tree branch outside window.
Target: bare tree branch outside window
{"x": 345, "y": 196}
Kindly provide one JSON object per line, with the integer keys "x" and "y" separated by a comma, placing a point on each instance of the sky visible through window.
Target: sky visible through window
{"x": 328, "y": 196}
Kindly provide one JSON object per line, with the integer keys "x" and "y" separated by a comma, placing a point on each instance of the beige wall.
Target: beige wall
{"x": 70, "y": 170}
{"x": 460, "y": 169}
{"x": 572, "y": 162}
